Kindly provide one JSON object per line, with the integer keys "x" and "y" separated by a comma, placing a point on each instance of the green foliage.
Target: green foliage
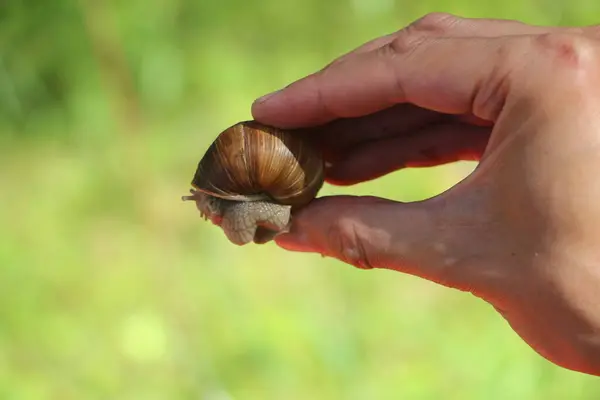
{"x": 113, "y": 288}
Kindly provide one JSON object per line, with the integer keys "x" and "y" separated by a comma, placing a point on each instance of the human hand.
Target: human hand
{"x": 521, "y": 231}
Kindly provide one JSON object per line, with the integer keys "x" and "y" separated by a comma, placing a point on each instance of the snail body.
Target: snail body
{"x": 252, "y": 177}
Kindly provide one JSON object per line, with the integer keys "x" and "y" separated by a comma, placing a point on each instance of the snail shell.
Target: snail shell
{"x": 252, "y": 177}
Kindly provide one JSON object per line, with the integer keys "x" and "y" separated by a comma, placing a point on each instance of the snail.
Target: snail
{"x": 252, "y": 178}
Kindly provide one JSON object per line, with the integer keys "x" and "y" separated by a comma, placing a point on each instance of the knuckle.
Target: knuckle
{"x": 568, "y": 51}
{"x": 436, "y": 22}
{"x": 405, "y": 43}
{"x": 408, "y": 39}
{"x": 347, "y": 244}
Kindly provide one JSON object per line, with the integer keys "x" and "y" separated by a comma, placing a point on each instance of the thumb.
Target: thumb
{"x": 428, "y": 239}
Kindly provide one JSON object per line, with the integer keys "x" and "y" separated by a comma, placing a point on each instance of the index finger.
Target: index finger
{"x": 442, "y": 74}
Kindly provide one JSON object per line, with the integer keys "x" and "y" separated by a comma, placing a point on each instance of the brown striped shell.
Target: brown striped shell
{"x": 250, "y": 162}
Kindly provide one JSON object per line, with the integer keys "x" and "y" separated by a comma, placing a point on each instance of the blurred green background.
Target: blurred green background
{"x": 113, "y": 288}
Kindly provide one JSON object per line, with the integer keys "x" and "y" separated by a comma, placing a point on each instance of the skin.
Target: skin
{"x": 521, "y": 232}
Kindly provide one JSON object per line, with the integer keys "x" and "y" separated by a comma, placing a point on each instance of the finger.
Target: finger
{"x": 449, "y": 25}
{"x": 441, "y": 25}
{"x": 436, "y": 25}
{"x": 342, "y": 134}
{"x": 439, "y": 74}
{"x": 345, "y": 227}
{"x": 419, "y": 238}
{"x": 435, "y": 145}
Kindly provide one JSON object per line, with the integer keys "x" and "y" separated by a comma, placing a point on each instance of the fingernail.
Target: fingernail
{"x": 266, "y": 97}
